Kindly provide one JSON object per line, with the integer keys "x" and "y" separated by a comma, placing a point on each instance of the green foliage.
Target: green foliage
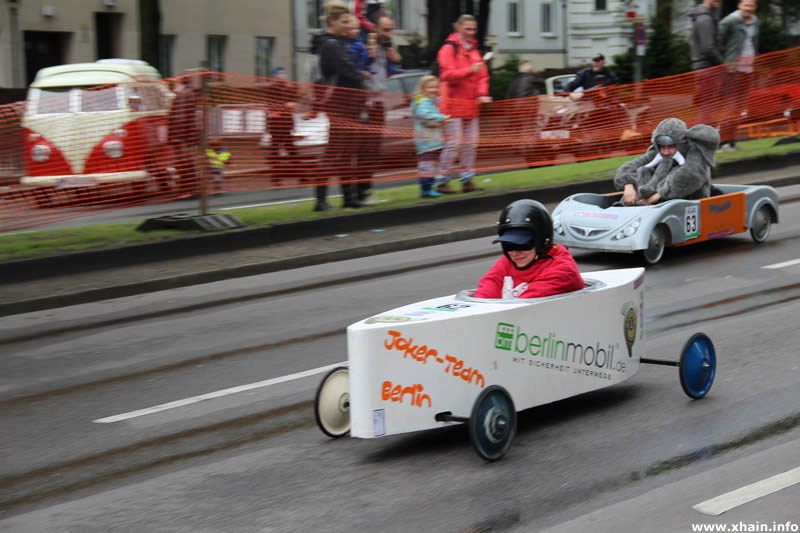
{"x": 623, "y": 67}
{"x": 771, "y": 34}
{"x": 503, "y": 76}
{"x": 667, "y": 53}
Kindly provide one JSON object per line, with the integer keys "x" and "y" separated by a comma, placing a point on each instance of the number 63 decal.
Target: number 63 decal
{"x": 691, "y": 222}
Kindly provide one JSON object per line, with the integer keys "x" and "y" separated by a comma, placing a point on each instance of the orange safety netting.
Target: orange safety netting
{"x": 73, "y": 151}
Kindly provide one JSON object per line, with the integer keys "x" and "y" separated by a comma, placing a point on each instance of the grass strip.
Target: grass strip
{"x": 48, "y": 242}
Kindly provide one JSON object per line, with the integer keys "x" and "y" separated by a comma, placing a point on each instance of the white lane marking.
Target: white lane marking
{"x": 720, "y": 504}
{"x": 784, "y": 264}
{"x": 217, "y": 394}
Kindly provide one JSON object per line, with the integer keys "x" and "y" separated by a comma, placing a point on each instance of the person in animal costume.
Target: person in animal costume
{"x": 677, "y": 165}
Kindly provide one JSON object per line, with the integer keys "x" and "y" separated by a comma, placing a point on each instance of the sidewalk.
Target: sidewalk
{"x": 361, "y": 234}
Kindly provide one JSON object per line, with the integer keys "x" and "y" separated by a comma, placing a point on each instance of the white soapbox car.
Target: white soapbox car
{"x": 597, "y": 221}
{"x": 457, "y": 359}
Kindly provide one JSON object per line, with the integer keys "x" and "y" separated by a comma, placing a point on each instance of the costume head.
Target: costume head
{"x": 525, "y": 223}
{"x": 671, "y": 131}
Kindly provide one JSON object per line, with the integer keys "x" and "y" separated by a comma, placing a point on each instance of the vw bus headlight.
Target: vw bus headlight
{"x": 113, "y": 149}
{"x": 40, "y": 153}
{"x": 628, "y": 230}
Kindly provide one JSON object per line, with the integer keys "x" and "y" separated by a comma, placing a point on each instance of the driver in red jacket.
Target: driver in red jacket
{"x": 531, "y": 266}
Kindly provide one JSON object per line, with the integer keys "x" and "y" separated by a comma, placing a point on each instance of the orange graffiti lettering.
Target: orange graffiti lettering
{"x": 453, "y": 366}
{"x": 398, "y": 393}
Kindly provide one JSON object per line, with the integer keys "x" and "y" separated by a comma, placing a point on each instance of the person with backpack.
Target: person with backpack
{"x": 339, "y": 93}
{"x": 464, "y": 86}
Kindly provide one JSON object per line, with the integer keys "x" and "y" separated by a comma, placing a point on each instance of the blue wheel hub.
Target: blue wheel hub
{"x": 698, "y": 365}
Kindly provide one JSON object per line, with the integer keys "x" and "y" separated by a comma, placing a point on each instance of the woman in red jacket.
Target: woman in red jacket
{"x": 531, "y": 266}
{"x": 464, "y": 85}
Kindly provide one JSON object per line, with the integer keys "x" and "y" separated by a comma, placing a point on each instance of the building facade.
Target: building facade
{"x": 566, "y": 33}
{"x": 239, "y": 36}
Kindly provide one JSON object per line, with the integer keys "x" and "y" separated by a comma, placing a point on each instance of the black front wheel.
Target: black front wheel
{"x": 493, "y": 423}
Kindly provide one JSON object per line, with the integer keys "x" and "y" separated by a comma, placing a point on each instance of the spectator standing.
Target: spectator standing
{"x": 593, "y": 76}
{"x": 738, "y": 36}
{"x": 183, "y": 135}
{"x": 368, "y": 12}
{"x": 385, "y": 63}
{"x": 522, "y": 116}
{"x": 362, "y": 56}
{"x": 428, "y": 138}
{"x": 218, "y": 157}
{"x": 464, "y": 86}
{"x": 524, "y": 83}
{"x": 282, "y": 99}
{"x": 343, "y": 103}
{"x": 705, "y": 54}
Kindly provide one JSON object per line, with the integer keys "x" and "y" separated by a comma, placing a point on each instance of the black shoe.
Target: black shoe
{"x": 323, "y": 206}
{"x": 355, "y": 204}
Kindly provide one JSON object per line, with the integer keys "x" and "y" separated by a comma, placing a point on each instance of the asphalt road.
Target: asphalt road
{"x": 254, "y": 460}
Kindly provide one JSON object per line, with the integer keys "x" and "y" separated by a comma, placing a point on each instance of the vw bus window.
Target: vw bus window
{"x": 99, "y": 99}
{"x": 53, "y": 100}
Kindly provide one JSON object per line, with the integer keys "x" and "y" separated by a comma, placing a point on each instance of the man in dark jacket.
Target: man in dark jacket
{"x": 594, "y": 76}
{"x": 342, "y": 105}
{"x": 183, "y": 134}
{"x": 705, "y": 54}
{"x": 524, "y": 84}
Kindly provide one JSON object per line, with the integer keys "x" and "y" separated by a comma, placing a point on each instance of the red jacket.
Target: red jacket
{"x": 545, "y": 278}
{"x": 460, "y": 87}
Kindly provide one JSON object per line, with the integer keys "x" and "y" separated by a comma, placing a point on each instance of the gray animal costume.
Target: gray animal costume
{"x": 687, "y": 174}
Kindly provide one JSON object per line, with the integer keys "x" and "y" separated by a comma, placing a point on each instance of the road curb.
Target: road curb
{"x": 25, "y": 270}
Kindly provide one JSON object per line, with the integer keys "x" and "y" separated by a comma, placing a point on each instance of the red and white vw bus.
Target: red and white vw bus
{"x": 91, "y": 124}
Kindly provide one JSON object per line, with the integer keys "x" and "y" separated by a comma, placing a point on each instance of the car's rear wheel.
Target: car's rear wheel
{"x": 761, "y": 224}
{"x": 332, "y": 403}
{"x": 655, "y": 246}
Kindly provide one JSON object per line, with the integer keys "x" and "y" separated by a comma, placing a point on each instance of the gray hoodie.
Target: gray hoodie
{"x": 703, "y": 38}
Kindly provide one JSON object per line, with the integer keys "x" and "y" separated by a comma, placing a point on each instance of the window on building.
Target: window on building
{"x": 547, "y": 18}
{"x": 514, "y": 15}
{"x": 397, "y": 8}
{"x": 216, "y": 52}
{"x": 314, "y": 10}
{"x": 600, "y": 5}
{"x": 166, "y": 45}
{"x": 265, "y": 47}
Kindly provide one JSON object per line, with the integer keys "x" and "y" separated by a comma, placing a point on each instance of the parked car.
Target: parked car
{"x": 92, "y": 124}
{"x": 581, "y": 123}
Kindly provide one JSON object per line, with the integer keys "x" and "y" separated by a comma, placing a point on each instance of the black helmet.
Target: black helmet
{"x": 527, "y": 215}
{"x": 665, "y": 140}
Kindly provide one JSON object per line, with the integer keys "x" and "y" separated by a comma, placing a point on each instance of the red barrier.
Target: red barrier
{"x": 82, "y": 151}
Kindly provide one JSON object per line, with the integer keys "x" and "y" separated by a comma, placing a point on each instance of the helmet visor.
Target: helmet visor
{"x": 516, "y": 236}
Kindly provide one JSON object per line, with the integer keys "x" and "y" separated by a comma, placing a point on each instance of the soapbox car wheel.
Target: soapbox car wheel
{"x": 332, "y": 403}
{"x": 655, "y": 246}
{"x": 762, "y": 222}
{"x": 697, "y": 366}
{"x": 493, "y": 423}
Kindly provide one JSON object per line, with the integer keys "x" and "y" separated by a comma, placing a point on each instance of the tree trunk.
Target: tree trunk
{"x": 150, "y": 32}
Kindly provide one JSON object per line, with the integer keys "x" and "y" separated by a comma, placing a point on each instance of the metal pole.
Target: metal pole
{"x": 16, "y": 45}
{"x": 637, "y": 59}
{"x": 565, "y": 26}
{"x": 203, "y": 158}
